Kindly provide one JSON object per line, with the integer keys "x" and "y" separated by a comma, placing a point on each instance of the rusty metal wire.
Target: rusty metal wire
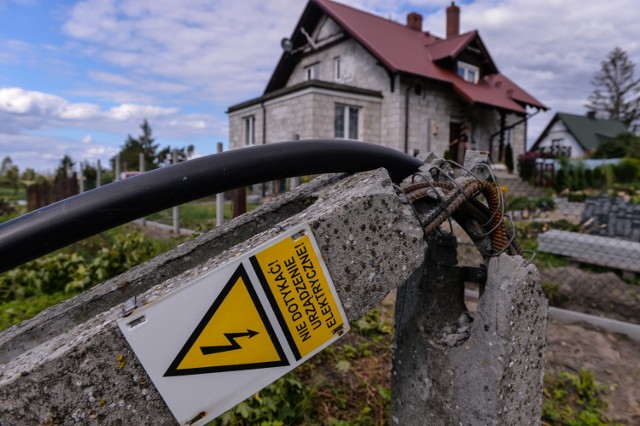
{"x": 413, "y": 187}
{"x": 461, "y": 195}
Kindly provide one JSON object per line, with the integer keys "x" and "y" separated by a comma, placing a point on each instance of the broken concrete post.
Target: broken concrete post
{"x": 452, "y": 367}
{"x": 71, "y": 364}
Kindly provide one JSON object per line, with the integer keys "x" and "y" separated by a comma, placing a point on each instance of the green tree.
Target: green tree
{"x": 65, "y": 167}
{"x": 625, "y": 144}
{"x": 165, "y": 156}
{"x": 130, "y": 152}
{"x": 29, "y": 175}
{"x": 616, "y": 93}
{"x": 13, "y": 176}
{"x": 91, "y": 175}
{"x": 7, "y": 164}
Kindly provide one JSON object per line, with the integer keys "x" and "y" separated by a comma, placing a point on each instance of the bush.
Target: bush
{"x": 545, "y": 203}
{"x": 589, "y": 179}
{"x": 628, "y": 170}
{"x": 519, "y": 202}
{"x": 611, "y": 149}
{"x": 560, "y": 182}
{"x": 5, "y": 207}
{"x": 66, "y": 271}
{"x": 508, "y": 158}
{"x": 527, "y": 165}
{"x": 625, "y": 144}
{"x": 577, "y": 197}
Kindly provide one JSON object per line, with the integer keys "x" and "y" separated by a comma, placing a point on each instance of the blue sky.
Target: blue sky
{"x": 77, "y": 76}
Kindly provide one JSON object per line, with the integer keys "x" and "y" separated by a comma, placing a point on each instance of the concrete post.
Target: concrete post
{"x": 81, "y": 177}
{"x": 219, "y": 200}
{"x": 99, "y": 175}
{"x": 453, "y": 367}
{"x": 176, "y": 209}
{"x": 294, "y": 182}
{"x": 141, "y": 165}
{"x": 117, "y": 166}
{"x": 71, "y": 364}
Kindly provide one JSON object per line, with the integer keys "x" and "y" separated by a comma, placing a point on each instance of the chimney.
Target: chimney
{"x": 591, "y": 115}
{"x": 453, "y": 20}
{"x": 414, "y": 21}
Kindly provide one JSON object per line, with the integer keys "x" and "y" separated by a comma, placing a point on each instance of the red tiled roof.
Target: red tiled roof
{"x": 404, "y": 50}
{"x": 450, "y": 47}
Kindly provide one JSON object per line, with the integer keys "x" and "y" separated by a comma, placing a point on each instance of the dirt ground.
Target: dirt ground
{"x": 613, "y": 358}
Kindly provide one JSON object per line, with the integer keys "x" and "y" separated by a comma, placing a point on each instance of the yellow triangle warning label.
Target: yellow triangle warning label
{"x": 234, "y": 334}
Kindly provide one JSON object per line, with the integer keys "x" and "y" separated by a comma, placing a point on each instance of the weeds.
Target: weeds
{"x": 574, "y": 400}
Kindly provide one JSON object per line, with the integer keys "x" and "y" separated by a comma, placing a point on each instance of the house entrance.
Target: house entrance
{"x": 454, "y": 138}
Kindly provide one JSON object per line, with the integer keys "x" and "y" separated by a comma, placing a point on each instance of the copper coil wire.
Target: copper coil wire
{"x": 461, "y": 195}
{"x": 480, "y": 213}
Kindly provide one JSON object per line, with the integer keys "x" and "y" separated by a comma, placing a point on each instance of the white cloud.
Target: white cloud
{"x": 128, "y": 111}
{"x": 23, "y": 112}
{"x": 15, "y": 100}
{"x": 43, "y": 153}
{"x": 51, "y": 108}
{"x": 220, "y": 52}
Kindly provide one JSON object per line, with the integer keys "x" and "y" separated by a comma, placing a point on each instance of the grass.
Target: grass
{"x": 9, "y": 194}
{"x": 198, "y": 215}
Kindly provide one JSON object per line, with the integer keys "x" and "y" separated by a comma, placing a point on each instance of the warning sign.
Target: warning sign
{"x": 234, "y": 334}
{"x": 230, "y": 332}
{"x": 295, "y": 284}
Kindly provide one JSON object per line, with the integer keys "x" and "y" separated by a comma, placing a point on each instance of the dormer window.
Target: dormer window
{"x": 468, "y": 72}
{"x": 311, "y": 72}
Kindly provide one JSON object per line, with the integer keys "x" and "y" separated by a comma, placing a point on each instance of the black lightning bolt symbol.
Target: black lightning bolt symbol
{"x": 231, "y": 337}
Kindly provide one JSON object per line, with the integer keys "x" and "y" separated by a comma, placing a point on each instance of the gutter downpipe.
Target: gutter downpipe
{"x": 406, "y": 120}
{"x": 406, "y": 116}
{"x": 264, "y": 139}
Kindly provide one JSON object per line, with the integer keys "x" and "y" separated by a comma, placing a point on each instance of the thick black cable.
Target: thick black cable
{"x": 73, "y": 219}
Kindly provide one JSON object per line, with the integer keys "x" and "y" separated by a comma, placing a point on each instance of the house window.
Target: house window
{"x": 249, "y": 130}
{"x": 468, "y": 72}
{"x": 311, "y": 72}
{"x": 337, "y": 75}
{"x": 346, "y": 122}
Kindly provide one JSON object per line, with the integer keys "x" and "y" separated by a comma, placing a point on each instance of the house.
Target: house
{"x": 575, "y": 136}
{"x": 345, "y": 73}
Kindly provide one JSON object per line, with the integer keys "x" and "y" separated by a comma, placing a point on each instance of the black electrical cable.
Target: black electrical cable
{"x": 73, "y": 219}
